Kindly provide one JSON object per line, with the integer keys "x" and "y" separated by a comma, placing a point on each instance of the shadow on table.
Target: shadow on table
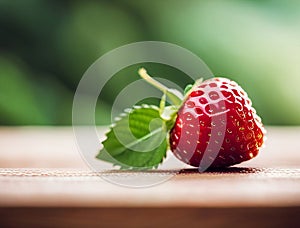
{"x": 227, "y": 170}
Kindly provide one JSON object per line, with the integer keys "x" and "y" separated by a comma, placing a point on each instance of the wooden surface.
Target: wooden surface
{"x": 150, "y": 217}
{"x": 40, "y": 167}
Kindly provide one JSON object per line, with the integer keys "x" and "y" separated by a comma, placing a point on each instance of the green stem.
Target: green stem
{"x": 173, "y": 95}
{"x": 143, "y": 73}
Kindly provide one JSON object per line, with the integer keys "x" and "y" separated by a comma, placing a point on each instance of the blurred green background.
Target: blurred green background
{"x": 46, "y": 46}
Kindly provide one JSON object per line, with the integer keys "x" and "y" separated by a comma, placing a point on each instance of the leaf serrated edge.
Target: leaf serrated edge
{"x": 125, "y": 113}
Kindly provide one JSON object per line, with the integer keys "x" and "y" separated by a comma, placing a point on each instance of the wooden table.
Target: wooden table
{"x": 55, "y": 187}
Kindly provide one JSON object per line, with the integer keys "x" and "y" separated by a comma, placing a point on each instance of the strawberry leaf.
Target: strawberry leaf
{"x": 188, "y": 88}
{"x": 137, "y": 140}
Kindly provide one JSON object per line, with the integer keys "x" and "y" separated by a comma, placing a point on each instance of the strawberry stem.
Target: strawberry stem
{"x": 143, "y": 73}
{"x": 174, "y": 95}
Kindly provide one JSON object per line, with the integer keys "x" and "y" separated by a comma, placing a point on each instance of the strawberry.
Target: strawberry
{"x": 212, "y": 125}
{"x": 219, "y": 104}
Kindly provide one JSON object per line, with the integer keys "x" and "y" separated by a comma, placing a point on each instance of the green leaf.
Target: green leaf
{"x": 137, "y": 140}
{"x": 188, "y": 88}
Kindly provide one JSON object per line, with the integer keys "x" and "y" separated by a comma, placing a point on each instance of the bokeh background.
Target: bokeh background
{"x": 47, "y": 45}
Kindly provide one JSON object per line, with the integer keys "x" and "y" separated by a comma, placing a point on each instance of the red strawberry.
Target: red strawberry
{"x": 216, "y": 126}
{"x": 213, "y": 125}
